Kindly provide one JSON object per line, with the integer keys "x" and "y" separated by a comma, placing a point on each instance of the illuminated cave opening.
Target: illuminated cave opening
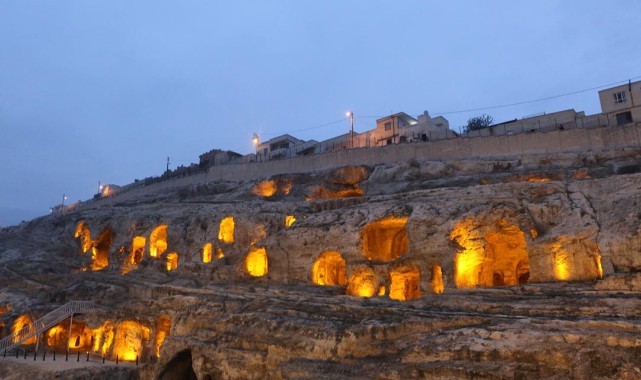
{"x": 179, "y": 368}
{"x": 219, "y": 253}
{"x": 256, "y": 262}
{"x": 84, "y": 234}
{"x": 385, "y": 240}
{"x": 490, "y": 258}
{"x": 437, "y": 280}
{"x": 136, "y": 254}
{"x": 130, "y": 340}
{"x": 19, "y": 324}
{"x": 103, "y": 337}
{"x": 329, "y": 269}
{"x": 158, "y": 241}
{"x": 405, "y": 283}
{"x": 289, "y": 220}
{"x": 172, "y": 261}
{"x": 163, "y": 327}
{"x": 207, "y": 253}
{"x": 226, "y": 231}
{"x": 265, "y": 188}
{"x": 81, "y": 338}
{"x": 363, "y": 283}
{"x": 100, "y": 250}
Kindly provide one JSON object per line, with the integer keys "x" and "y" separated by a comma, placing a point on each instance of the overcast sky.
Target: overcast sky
{"x": 106, "y": 90}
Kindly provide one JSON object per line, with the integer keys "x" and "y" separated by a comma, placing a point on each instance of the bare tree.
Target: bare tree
{"x": 478, "y": 122}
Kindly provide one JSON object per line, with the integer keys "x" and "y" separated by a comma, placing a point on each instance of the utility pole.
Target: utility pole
{"x": 62, "y": 205}
{"x": 167, "y": 171}
{"x": 350, "y": 114}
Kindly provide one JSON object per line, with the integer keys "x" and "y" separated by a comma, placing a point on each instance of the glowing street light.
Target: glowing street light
{"x": 350, "y": 114}
{"x": 256, "y": 142}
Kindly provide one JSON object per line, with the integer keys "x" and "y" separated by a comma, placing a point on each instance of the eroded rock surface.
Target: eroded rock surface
{"x": 521, "y": 268}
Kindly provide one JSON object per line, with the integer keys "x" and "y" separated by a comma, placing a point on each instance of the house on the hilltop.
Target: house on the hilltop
{"x": 282, "y": 147}
{"x": 401, "y": 127}
{"x": 217, "y": 157}
{"x": 622, "y": 104}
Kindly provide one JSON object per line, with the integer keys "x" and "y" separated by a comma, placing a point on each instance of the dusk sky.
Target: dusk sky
{"x": 105, "y": 90}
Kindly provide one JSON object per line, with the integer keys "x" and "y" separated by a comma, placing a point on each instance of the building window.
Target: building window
{"x": 388, "y": 125}
{"x": 619, "y": 97}
{"x": 624, "y": 118}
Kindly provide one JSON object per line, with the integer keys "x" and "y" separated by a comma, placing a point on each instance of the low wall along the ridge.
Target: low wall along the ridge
{"x": 493, "y": 147}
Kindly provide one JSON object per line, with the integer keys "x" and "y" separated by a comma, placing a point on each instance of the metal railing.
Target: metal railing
{"x": 49, "y": 320}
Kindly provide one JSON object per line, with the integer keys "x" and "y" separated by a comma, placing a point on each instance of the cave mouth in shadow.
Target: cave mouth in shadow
{"x": 179, "y": 368}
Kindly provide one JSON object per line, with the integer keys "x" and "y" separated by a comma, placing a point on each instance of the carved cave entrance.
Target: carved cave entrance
{"x": 385, "y": 240}
{"x": 329, "y": 269}
{"x": 491, "y": 257}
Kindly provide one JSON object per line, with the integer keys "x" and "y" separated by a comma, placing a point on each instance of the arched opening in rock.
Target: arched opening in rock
{"x": 385, "y": 240}
{"x": 329, "y": 269}
{"x": 100, "y": 250}
{"x": 405, "y": 283}
{"x": 84, "y": 234}
{"x": 163, "y": 327}
{"x": 492, "y": 256}
{"x": 226, "y": 231}
{"x": 265, "y": 188}
{"x": 289, "y": 220}
{"x": 437, "y": 279}
{"x": 21, "y": 322}
{"x": 81, "y": 338}
{"x": 137, "y": 250}
{"x": 178, "y": 368}
{"x": 256, "y": 262}
{"x": 207, "y": 253}
{"x": 158, "y": 241}
{"x": 172, "y": 261}
{"x": 363, "y": 283}
{"x": 103, "y": 337}
{"x": 130, "y": 340}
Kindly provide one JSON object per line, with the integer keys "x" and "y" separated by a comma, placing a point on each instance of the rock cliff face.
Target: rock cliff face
{"x": 468, "y": 269}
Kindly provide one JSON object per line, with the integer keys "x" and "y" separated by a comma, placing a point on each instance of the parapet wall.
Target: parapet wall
{"x": 462, "y": 148}
{"x": 562, "y": 141}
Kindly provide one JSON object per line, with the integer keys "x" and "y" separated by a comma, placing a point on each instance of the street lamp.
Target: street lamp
{"x": 62, "y": 205}
{"x": 350, "y": 114}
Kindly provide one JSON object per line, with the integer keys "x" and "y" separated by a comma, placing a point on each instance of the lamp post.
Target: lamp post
{"x": 350, "y": 114}
{"x": 256, "y": 141}
{"x": 62, "y": 205}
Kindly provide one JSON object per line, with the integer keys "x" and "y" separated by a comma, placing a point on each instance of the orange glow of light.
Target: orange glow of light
{"x": 385, "y": 240}
{"x": 492, "y": 255}
{"x": 381, "y": 291}
{"x": 58, "y": 337}
{"x": 285, "y": 186}
{"x": 405, "y": 283}
{"x": 329, "y": 269}
{"x": 599, "y": 266}
{"x": 19, "y": 324}
{"x": 172, "y": 261}
{"x": 100, "y": 250}
{"x": 265, "y": 188}
{"x": 256, "y": 262}
{"x": 363, "y": 283}
{"x": 322, "y": 192}
{"x": 103, "y": 337}
{"x": 158, "y": 241}
{"x": 219, "y": 253}
{"x": 226, "y": 232}
{"x": 289, "y": 220}
{"x": 135, "y": 255}
{"x": 129, "y": 340}
{"x": 84, "y": 234}
{"x": 163, "y": 327}
{"x": 207, "y": 253}
{"x": 437, "y": 279}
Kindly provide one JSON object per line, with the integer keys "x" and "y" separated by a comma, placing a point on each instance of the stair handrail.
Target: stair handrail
{"x": 48, "y": 320}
